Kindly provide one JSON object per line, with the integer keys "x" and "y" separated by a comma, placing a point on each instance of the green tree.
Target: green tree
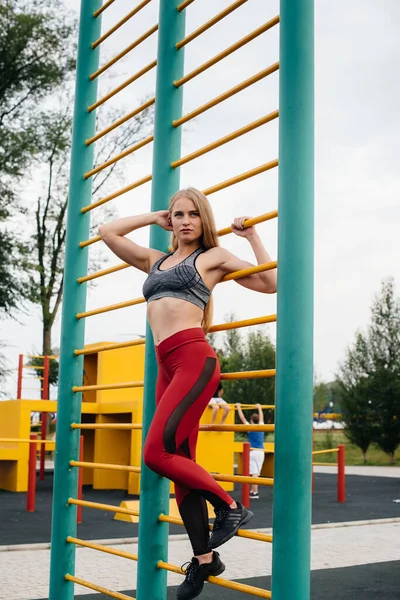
{"x": 35, "y": 58}
{"x": 369, "y": 378}
{"x": 47, "y": 244}
{"x": 384, "y": 347}
{"x": 253, "y": 352}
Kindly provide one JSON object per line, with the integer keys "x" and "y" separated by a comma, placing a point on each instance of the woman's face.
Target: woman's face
{"x": 185, "y": 221}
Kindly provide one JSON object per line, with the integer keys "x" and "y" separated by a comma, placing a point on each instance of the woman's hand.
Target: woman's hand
{"x": 161, "y": 218}
{"x": 238, "y": 227}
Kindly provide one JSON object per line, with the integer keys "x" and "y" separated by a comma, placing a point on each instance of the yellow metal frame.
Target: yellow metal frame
{"x": 124, "y": 52}
{"x": 236, "y": 46}
{"x": 126, "y": 83}
{"x": 98, "y": 12}
{"x": 224, "y": 13}
{"x": 97, "y": 588}
{"x": 119, "y": 157}
{"x": 115, "y": 27}
{"x": 119, "y": 122}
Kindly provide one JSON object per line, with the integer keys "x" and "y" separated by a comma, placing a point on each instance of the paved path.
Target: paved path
{"x": 25, "y": 573}
{"x": 367, "y": 471}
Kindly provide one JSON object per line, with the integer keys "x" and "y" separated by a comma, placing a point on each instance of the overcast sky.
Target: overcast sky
{"x": 357, "y": 180}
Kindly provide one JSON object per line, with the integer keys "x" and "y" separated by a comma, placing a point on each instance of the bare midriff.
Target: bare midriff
{"x": 167, "y": 316}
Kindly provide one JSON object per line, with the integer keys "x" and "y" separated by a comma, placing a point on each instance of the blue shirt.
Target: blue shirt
{"x": 256, "y": 439}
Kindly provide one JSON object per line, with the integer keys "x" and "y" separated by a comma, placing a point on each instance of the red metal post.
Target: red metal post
{"x": 31, "y": 495}
{"x": 246, "y": 473}
{"x": 80, "y": 479}
{"x": 19, "y": 382}
{"x": 341, "y": 492}
{"x": 45, "y": 396}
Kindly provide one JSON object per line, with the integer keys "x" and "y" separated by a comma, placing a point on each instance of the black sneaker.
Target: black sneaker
{"x": 196, "y": 575}
{"x": 254, "y": 495}
{"x": 226, "y": 524}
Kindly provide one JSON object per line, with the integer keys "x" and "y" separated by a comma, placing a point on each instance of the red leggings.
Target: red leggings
{"x": 188, "y": 375}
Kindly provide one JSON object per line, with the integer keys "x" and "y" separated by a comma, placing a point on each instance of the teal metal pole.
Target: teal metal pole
{"x": 294, "y": 358}
{"x": 74, "y": 301}
{"x": 154, "y": 490}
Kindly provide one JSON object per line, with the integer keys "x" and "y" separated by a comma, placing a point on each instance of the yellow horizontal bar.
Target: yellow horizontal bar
{"x": 119, "y": 157}
{"x": 242, "y": 428}
{"x": 251, "y": 271}
{"x": 109, "y": 467}
{"x": 101, "y": 548}
{"x": 244, "y": 323}
{"x": 103, "y": 8}
{"x": 103, "y": 272}
{"x": 320, "y": 464}
{"x": 120, "y": 121}
{"x": 210, "y": 23}
{"x": 25, "y": 441}
{"x": 252, "y": 535}
{"x": 90, "y": 242}
{"x": 249, "y": 374}
{"x": 232, "y": 585}
{"x": 109, "y": 347}
{"x": 315, "y": 452}
{"x": 184, "y": 5}
{"x": 124, "y": 52}
{"x": 116, "y": 426}
{"x": 250, "y": 222}
{"x": 239, "y": 44}
{"x": 238, "y": 88}
{"x": 221, "y": 327}
{"x": 108, "y": 386}
{"x": 120, "y": 192}
{"x": 130, "y": 469}
{"x": 230, "y": 276}
{"x": 115, "y": 27}
{"x": 97, "y": 588}
{"x": 242, "y": 177}
{"x": 262, "y": 374}
{"x": 107, "y": 507}
{"x": 243, "y": 479}
{"x": 33, "y": 367}
{"x": 125, "y": 84}
{"x": 138, "y": 426}
{"x": 227, "y": 138}
{"x": 111, "y": 307}
{"x": 225, "y": 231}
{"x": 253, "y": 406}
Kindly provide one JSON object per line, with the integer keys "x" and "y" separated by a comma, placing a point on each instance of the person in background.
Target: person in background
{"x": 216, "y": 403}
{"x": 256, "y": 440}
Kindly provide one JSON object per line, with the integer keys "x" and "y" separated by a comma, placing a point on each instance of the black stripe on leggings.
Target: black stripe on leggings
{"x": 191, "y": 397}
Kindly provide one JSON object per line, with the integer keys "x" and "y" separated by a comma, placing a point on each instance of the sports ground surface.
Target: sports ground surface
{"x": 355, "y": 546}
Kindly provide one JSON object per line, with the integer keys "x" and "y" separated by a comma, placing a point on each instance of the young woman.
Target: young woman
{"x": 178, "y": 291}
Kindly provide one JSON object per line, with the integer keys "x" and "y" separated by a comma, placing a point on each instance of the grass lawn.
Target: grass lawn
{"x": 326, "y": 439}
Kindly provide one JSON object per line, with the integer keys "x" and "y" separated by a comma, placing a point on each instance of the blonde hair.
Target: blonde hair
{"x": 209, "y": 237}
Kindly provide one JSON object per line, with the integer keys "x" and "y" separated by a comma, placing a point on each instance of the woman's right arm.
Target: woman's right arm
{"x": 113, "y": 235}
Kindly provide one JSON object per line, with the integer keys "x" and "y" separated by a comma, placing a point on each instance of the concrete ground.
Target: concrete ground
{"x": 355, "y": 546}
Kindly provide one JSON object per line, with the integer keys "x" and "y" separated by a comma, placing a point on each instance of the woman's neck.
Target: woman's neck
{"x": 184, "y": 250}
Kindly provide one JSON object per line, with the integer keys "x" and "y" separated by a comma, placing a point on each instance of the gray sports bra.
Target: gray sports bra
{"x": 181, "y": 281}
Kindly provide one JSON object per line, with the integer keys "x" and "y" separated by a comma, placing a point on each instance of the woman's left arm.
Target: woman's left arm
{"x": 265, "y": 281}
